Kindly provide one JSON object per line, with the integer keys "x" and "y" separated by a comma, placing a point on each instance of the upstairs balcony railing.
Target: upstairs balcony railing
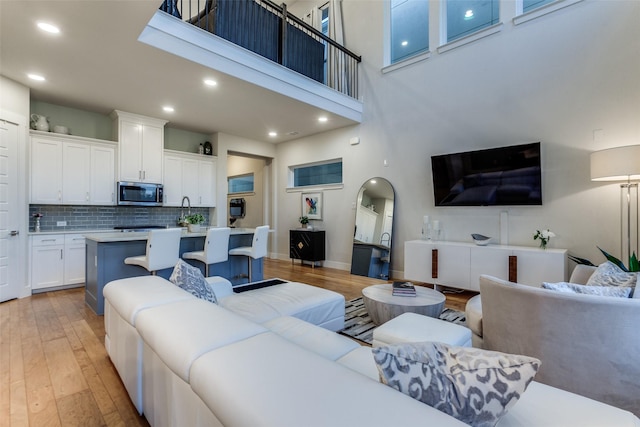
{"x": 270, "y": 31}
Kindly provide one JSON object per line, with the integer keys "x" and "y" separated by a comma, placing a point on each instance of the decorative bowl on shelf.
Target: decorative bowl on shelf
{"x": 481, "y": 240}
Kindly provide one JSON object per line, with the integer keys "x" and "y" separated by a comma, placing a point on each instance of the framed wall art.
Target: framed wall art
{"x": 312, "y": 205}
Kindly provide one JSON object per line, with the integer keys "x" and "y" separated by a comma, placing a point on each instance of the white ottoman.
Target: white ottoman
{"x": 412, "y": 327}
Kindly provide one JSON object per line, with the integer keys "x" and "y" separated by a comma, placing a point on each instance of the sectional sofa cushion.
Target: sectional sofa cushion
{"x": 475, "y": 386}
{"x": 190, "y": 279}
{"x": 321, "y": 307}
{"x": 179, "y": 333}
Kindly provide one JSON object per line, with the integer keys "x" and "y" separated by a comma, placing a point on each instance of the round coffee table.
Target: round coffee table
{"x": 383, "y": 306}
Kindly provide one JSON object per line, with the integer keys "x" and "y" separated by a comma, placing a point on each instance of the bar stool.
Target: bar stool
{"x": 163, "y": 250}
{"x": 216, "y": 248}
{"x": 258, "y": 248}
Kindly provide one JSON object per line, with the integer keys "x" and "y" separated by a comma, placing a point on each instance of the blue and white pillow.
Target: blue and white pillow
{"x": 609, "y": 274}
{"x": 575, "y": 288}
{"x": 472, "y": 385}
{"x": 191, "y": 280}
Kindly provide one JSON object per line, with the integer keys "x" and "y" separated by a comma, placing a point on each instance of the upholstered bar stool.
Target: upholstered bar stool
{"x": 216, "y": 248}
{"x": 163, "y": 250}
{"x": 258, "y": 248}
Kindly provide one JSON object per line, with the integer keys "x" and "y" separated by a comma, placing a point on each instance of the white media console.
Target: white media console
{"x": 459, "y": 265}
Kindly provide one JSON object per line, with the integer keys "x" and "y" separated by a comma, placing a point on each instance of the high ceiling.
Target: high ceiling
{"x": 96, "y": 63}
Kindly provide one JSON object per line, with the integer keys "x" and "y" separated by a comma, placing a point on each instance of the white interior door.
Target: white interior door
{"x": 9, "y": 287}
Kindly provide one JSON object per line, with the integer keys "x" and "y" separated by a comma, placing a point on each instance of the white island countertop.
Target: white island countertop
{"x": 119, "y": 236}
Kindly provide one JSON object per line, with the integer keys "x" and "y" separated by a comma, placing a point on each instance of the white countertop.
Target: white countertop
{"x": 118, "y": 236}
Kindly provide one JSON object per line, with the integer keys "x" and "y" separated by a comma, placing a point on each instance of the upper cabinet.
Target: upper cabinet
{"x": 141, "y": 147}
{"x": 71, "y": 170}
{"x": 190, "y": 175}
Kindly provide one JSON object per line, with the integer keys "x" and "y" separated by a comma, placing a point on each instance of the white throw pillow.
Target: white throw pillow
{"x": 190, "y": 279}
{"x": 575, "y": 288}
{"x": 473, "y": 385}
{"x": 609, "y": 274}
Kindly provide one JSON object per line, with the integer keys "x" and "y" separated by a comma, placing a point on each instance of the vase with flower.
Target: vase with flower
{"x": 544, "y": 236}
{"x": 37, "y": 216}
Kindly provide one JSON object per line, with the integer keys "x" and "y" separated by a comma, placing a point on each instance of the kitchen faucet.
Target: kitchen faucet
{"x": 182, "y": 219}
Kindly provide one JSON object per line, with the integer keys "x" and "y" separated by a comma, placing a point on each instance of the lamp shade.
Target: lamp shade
{"x": 616, "y": 164}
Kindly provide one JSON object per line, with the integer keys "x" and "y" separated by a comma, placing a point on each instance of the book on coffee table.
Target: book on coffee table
{"x": 403, "y": 289}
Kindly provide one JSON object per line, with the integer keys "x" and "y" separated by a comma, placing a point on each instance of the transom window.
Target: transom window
{"x": 409, "y": 28}
{"x": 465, "y": 17}
{"x": 528, "y": 5}
{"x": 240, "y": 184}
{"x": 329, "y": 172}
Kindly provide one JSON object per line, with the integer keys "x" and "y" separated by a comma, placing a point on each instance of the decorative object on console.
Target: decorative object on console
{"x": 37, "y": 216}
{"x": 303, "y": 220}
{"x": 473, "y": 385}
{"x": 544, "y": 236}
{"x": 312, "y": 205}
{"x": 480, "y": 240}
{"x": 621, "y": 164}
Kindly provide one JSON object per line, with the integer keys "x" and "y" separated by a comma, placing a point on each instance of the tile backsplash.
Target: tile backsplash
{"x": 105, "y": 217}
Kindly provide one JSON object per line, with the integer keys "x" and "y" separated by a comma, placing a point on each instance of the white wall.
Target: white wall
{"x": 555, "y": 79}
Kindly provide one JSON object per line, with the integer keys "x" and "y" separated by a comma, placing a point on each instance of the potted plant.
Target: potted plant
{"x": 303, "y": 220}
{"x": 194, "y": 221}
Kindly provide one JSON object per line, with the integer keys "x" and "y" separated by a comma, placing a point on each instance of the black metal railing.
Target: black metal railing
{"x": 270, "y": 31}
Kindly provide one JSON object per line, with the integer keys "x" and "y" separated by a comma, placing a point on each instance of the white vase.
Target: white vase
{"x": 194, "y": 228}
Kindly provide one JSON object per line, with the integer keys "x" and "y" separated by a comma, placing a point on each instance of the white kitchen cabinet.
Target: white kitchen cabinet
{"x": 365, "y": 224}
{"x": 71, "y": 170}
{"x": 47, "y": 261}
{"x": 57, "y": 260}
{"x": 74, "y": 259}
{"x": 141, "y": 147}
{"x": 103, "y": 175}
{"x": 76, "y": 173}
{"x": 459, "y": 265}
{"x": 46, "y": 170}
{"x": 190, "y": 175}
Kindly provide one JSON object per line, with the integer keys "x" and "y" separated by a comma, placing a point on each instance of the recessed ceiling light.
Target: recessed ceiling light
{"x": 36, "y": 77}
{"x": 404, "y": 43}
{"x": 323, "y": 119}
{"x": 273, "y": 134}
{"x": 168, "y": 109}
{"x": 210, "y": 82}
{"x": 49, "y": 28}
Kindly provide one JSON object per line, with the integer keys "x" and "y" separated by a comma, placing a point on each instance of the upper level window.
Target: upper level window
{"x": 409, "y": 28}
{"x": 240, "y": 184}
{"x": 317, "y": 174}
{"x": 528, "y": 5}
{"x": 465, "y": 17}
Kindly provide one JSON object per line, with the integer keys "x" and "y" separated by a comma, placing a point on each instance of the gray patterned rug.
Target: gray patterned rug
{"x": 358, "y": 324}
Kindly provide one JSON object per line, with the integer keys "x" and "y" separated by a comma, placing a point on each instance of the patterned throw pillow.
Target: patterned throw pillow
{"x": 574, "y": 288}
{"x": 609, "y": 274}
{"x": 191, "y": 280}
{"x": 473, "y": 385}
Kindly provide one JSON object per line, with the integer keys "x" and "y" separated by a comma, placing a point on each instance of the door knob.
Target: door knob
{"x": 14, "y": 233}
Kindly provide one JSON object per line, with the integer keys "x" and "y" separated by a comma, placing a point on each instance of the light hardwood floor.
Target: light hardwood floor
{"x": 54, "y": 369}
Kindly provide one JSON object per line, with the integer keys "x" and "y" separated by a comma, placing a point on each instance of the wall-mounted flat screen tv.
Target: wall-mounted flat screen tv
{"x": 504, "y": 176}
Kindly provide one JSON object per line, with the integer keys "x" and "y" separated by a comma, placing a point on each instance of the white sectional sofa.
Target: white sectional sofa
{"x": 202, "y": 364}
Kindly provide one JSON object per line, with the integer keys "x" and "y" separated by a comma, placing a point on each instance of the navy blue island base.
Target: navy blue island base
{"x": 105, "y": 262}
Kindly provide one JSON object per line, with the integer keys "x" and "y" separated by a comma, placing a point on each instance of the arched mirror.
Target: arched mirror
{"x": 371, "y": 254}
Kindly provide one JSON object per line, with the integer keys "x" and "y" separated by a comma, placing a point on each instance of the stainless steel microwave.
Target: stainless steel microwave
{"x": 140, "y": 194}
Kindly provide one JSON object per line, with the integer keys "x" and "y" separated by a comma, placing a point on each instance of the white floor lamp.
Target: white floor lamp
{"x": 621, "y": 164}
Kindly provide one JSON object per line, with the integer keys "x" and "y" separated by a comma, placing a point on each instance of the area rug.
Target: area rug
{"x": 358, "y": 324}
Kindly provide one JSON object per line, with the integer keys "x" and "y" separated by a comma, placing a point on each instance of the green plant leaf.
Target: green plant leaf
{"x": 613, "y": 259}
{"x": 633, "y": 263}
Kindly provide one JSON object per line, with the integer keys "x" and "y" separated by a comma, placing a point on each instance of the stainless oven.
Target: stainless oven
{"x": 139, "y": 194}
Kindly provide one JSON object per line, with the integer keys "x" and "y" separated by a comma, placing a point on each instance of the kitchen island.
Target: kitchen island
{"x": 106, "y": 253}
